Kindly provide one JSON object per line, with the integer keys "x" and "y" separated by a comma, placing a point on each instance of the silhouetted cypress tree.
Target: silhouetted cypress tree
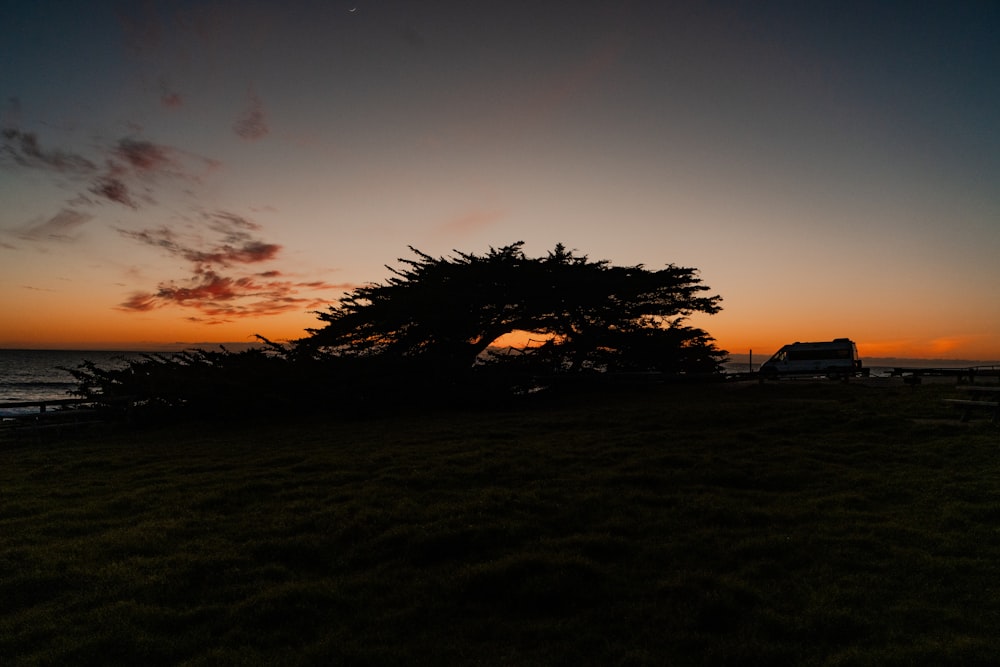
{"x": 440, "y": 314}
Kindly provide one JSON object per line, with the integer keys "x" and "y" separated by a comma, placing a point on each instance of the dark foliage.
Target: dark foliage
{"x": 261, "y": 383}
{"x": 424, "y": 337}
{"x": 196, "y": 382}
{"x": 444, "y": 313}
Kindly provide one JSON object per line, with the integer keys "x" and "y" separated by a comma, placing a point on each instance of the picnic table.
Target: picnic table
{"x": 980, "y": 398}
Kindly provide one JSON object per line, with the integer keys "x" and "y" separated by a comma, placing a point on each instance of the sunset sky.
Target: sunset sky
{"x": 205, "y": 171}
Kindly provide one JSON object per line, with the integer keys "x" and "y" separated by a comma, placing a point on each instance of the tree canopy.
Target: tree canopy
{"x": 425, "y": 334}
{"x": 444, "y": 312}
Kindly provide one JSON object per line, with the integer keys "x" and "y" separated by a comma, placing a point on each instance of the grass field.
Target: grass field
{"x": 785, "y": 523}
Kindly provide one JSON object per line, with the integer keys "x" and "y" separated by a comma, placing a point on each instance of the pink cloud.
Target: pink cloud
{"x": 134, "y": 162}
{"x": 113, "y": 189}
{"x": 249, "y": 253}
{"x": 472, "y": 221}
{"x": 130, "y": 166}
{"x": 213, "y": 288}
{"x": 223, "y": 250}
{"x": 144, "y": 156}
{"x": 171, "y": 100}
{"x": 219, "y": 296}
{"x": 235, "y": 244}
{"x": 224, "y": 243}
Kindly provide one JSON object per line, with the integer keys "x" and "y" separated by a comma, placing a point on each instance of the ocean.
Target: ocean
{"x": 35, "y": 375}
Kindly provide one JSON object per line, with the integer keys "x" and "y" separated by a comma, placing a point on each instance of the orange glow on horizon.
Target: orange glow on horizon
{"x": 956, "y": 347}
{"x": 50, "y": 321}
{"x": 156, "y": 335}
{"x": 76, "y": 327}
{"x": 521, "y": 339}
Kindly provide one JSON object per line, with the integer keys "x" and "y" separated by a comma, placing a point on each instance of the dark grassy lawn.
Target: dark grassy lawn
{"x": 787, "y": 523}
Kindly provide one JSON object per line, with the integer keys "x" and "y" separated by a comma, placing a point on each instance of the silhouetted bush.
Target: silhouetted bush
{"x": 423, "y": 338}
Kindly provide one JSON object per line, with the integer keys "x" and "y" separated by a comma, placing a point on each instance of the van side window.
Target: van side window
{"x": 817, "y": 355}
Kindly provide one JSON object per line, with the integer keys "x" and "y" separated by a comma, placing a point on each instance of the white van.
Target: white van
{"x": 835, "y": 358}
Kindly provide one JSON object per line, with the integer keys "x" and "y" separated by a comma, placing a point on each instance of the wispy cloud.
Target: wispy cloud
{"x": 124, "y": 172}
{"x": 59, "y": 227}
{"x": 220, "y": 250}
{"x": 25, "y": 150}
{"x": 114, "y": 190}
{"x": 169, "y": 97}
{"x": 225, "y": 298}
{"x": 171, "y": 100}
{"x": 234, "y": 243}
{"x": 224, "y": 255}
{"x": 252, "y": 125}
{"x": 136, "y": 165}
{"x": 144, "y": 156}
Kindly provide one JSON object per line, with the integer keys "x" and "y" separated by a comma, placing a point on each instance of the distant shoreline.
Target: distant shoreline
{"x": 147, "y": 348}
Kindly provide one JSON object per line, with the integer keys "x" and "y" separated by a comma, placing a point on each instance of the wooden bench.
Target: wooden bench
{"x": 979, "y": 400}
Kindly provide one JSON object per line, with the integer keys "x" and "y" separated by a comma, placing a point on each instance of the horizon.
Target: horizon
{"x": 733, "y": 358}
{"x": 182, "y": 171}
